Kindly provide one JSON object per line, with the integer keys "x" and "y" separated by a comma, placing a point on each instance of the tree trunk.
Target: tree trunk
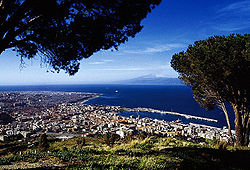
{"x": 246, "y": 140}
{"x": 238, "y": 126}
{"x": 222, "y": 105}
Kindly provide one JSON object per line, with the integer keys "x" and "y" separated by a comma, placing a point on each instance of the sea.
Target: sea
{"x": 161, "y": 97}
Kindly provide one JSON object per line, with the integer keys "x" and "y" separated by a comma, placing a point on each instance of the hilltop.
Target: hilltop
{"x": 145, "y": 152}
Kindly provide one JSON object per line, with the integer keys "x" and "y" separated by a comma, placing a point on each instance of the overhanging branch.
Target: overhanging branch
{"x": 11, "y": 35}
{"x": 14, "y": 19}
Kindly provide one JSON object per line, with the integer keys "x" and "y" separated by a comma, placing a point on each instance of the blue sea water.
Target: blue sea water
{"x": 169, "y": 98}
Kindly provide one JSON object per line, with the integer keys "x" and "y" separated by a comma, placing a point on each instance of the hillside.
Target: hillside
{"x": 148, "y": 153}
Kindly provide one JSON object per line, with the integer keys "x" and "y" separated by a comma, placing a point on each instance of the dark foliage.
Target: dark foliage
{"x": 81, "y": 142}
{"x": 128, "y": 138}
{"x": 218, "y": 70}
{"x": 142, "y": 135}
{"x": 110, "y": 138}
{"x": 5, "y": 118}
{"x": 65, "y": 31}
{"x": 43, "y": 143}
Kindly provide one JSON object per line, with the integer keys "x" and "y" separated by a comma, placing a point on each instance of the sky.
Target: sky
{"x": 168, "y": 29}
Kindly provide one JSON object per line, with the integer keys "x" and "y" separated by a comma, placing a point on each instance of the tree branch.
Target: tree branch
{"x": 10, "y": 36}
{"x": 14, "y": 19}
{"x": 16, "y": 42}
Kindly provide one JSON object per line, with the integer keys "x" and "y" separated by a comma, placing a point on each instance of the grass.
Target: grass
{"x": 148, "y": 153}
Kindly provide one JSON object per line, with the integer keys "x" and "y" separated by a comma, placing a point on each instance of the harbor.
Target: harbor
{"x": 187, "y": 116}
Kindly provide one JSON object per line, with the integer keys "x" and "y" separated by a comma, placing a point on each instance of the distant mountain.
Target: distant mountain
{"x": 151, "y": 80}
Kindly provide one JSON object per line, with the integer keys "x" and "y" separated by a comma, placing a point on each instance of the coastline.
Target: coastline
{"x": 97, "y": 95}
{"x": 63, "y": 112}
{"x": 127, "y": 109}
{"x": 151, "y": 110}
{"x": 187, "y": 116}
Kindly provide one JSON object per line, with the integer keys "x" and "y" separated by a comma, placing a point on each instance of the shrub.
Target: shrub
{"x": 109, "y": 139}
{"x": 223, "y": 145}
{"x": 81, "y": 142}
{"x": 43, "y": 144}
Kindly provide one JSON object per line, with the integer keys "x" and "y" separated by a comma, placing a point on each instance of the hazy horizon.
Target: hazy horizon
{"x": 119, "y": 82}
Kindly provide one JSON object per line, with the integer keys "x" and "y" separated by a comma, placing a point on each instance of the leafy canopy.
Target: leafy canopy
{"x": 217, "y": 69}
{"x": 65, "y": 31}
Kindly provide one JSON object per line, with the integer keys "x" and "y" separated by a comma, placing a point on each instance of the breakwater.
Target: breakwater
{"x": 187, "y": 116}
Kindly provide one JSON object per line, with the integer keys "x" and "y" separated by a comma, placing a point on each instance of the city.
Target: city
{"x": 63, "y": 115}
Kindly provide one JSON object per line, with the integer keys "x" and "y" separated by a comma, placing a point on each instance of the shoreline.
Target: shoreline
{"x": 64, "y": 112}
{"x": 187, "y": 116}
{"x": 126, "y": 109}
{"x": 97, "y": 95}
{"x": 151, "y": 110}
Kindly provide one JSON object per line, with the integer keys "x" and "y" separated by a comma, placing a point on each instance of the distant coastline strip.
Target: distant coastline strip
{"x": 94, "y": 97}
{"x": 168, "y": 112}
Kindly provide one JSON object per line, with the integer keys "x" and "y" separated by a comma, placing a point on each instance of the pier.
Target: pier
{"x": 139, "y": 109}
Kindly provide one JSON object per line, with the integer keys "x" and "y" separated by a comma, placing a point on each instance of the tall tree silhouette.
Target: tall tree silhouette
{"x": 65, "y": 31}
{"x": 218, "y": 70}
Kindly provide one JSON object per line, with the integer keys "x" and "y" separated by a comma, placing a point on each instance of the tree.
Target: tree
{"x": 65, "y": 31}
{"x": 110, "y": 138}
{"x": 43, "y": 143}
{"x": 142, "y": 135}
{"x": 81, "y": 142}
{"x": 218, "y": 70}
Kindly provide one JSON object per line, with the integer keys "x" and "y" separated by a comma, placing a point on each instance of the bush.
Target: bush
{"x": 143, "y": 146}
{"x": 128, "y": 138}
{"x": 142, "y": 135}
{"x": 43, "y": 144}
{"x": 110, "y": 139}
{"x": 81, "y": 142}
{"x": 223, "y": 145}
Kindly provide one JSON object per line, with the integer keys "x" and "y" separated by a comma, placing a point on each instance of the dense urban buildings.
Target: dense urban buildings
{"x": 63, "y": 115}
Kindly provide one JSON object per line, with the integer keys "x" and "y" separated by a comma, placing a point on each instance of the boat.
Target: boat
{"x": 116, "y": 91}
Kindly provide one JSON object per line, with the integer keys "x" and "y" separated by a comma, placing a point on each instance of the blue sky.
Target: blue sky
{"x": 169, "y": 29}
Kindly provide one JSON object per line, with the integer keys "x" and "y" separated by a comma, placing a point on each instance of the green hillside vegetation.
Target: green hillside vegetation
{"x": 148, "y": 153}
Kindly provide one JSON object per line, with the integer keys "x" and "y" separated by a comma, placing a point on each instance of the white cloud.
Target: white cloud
{"x": 108, "y": 60}
{"x": 101, "y": 62}
{"x": 97, "y": 62}
{"x": 153, "y": 68}
{"x": 232, "y": 26}
{"x": 121, "y": 69}
{"x": 156, "y": 49}
{"x": 233, "y": 17}
{"x": 239, "y": 7}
